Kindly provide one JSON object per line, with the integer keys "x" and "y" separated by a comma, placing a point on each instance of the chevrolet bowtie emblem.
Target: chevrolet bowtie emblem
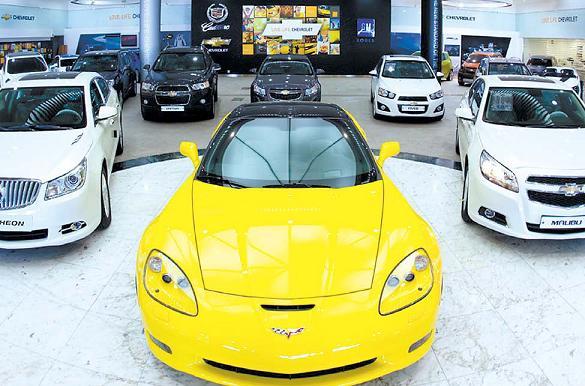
{"x": 571, "y": 190}
{"x": 172, "y": 94}
{"x": 285, "y": 92}
{"x": 288, "y": 332}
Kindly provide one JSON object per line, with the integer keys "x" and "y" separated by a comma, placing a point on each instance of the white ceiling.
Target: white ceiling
{"x": 519, "y": 5}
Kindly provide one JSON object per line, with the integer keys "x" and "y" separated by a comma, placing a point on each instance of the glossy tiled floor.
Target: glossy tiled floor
{"x": 513, "y": 311}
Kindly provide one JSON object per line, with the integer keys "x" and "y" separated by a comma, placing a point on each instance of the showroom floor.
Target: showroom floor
{"x": 513, "y": 311}
{"x": 435, "y": 139}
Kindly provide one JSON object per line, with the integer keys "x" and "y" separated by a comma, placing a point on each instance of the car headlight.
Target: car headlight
{"x": 313, "y": 90}
{"x": 385, "y": 93}
{"x": 200, "y": 86}
{"x": 436, "y": 95}
{"x": 166, "y": 283}
{"x": 259, "y": 90}
{"x": 497, "y": 173}
{"x": 67, "y": 183}
{"x": 147, "y": 86}
{"x": 409, "y": 282}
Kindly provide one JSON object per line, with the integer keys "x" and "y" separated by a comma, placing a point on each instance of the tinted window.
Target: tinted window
{"x": 540, "y": 62}
{"x": 286, "y": 68}
{"x": 22, "y": 65}
{"x": 104, "y": 88}
{"x": 532, "y": 107}
{"x": 96, "y": 98}
{"x": 61, "y": 106}
{"x": 288, "y": 152}
{"x": 508, "y": 69}
{"x": 407, "y": 69}
{"x": 180, "y": 62}
{"x": 476, "y": 95}
{"x": 67, "y": 62}
{"x": 96, "y": 63}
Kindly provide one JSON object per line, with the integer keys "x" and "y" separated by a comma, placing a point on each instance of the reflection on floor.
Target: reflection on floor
{"x": 513, "y": 311}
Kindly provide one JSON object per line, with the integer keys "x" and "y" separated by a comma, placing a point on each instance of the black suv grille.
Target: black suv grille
{"x": 309, "y": 374}
{"x": 413, "y": 98}
{"x": 557, "y": 199}
{"x": 173, "y": 95}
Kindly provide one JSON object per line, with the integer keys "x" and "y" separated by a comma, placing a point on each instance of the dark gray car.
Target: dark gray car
{"x": 538, "y": 63}
{"x": 286, "y": 78}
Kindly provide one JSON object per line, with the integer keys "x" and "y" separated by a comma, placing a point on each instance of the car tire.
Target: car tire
{"x": 450, "y": 76}
{"x": 120, "y": 148}
{"x": 457, "y": 142}
{"x": 461, "y": 82}
{"x": 133, "y": 90}
{"x": 375, "y": 114}
{"x": 148, "y": 116}
{"x": 215, "y": 92}
{"x": 210, "y": 112}
{"x": 371, "y": 97}
{"x": 465, "y": 197}
{"x": 106, "y": 207}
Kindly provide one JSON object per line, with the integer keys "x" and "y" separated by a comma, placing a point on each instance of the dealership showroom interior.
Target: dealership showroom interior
{"x": 281, "y": 192}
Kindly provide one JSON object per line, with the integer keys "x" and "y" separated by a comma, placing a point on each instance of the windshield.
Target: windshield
{"x": 41, "y": 108}
{"x": 533, "y": 107}
{"x": 96, "y": 63}
{"x": 509, "y": 69}
{"x": 475, "y": 58}
{"x": 23, "y": 65}
{"x": 286, "y": 68}
{"x": 180, "y": 62}
{"x": 407, "y": 69}
{"x": 540, "y": 62}
{"x": 67, "y": 62}
{"x": 288, "y": 153}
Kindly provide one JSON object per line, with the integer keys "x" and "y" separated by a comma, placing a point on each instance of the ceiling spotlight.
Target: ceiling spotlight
{"x": 105, "y": 2}
{"x": 478, "y": 3}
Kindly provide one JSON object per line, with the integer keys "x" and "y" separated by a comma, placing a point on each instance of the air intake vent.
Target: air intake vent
{"x": 302, "y": 307}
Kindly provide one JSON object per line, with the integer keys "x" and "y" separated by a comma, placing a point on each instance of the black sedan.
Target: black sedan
{"x": 181, "y": 83}
{"x": 115, "y": 66}
{"x": 286, "y": 78}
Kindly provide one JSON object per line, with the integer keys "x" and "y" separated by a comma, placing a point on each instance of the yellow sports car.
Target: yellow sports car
{"x": 288, "y": 257}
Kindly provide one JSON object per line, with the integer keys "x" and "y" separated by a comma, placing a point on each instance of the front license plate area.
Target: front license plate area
{"x": 172, "y": 108}
{"x": 416, "y": 109}
{"x": 550, "y": 222}
{"x": 16, "y": 223}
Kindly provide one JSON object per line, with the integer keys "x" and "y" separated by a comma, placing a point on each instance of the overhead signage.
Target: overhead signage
{"x": 292, "y": 29}
{"x": 460, "y": 18}
{"x": 8, "y": 16}
{"x": 124, "y": 16}
{"x": 366, "y": 28}
{"x": 217, "y": 13}
{"x": 560, "y": 19}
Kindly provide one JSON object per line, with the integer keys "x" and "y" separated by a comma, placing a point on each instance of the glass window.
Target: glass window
{"x": 286, "y": 68}
{"x": 288, "y": 152}
{"x": 476, "y": 96}
{"x": 407, "y": 69}
{"x": 534, "y": 107}
{"x": 104, "y": 88}
{"x": 67, "y": 62}
{"x": 96, "y": 63}
{"x": 22, "y": 65}
{"x": 540, "y": 62}
{"x": 180, "y": 62}
{"x": 96, "y": 98}
{"x": 509, "y": 69}
{"x": 41, "y": 108}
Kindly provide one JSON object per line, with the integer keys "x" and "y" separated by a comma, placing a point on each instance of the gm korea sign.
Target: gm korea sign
{"x": 8, "y": 17}
{"x": 292, "y": 29}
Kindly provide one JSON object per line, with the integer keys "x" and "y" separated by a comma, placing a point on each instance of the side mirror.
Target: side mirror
{"x": 320, "y": 71}
{"x": 106, "y": 112}
{"x": 388, "y": 150}
{"x": 373, "y": 73}
{"x": 216, "y": 67}
{"x": 440, "y": 75}
{"x": 190, "y": 150}
{"x": 464, "y": 113}
{"x": 253, "y": 70}
{"x": 146, "y": 67}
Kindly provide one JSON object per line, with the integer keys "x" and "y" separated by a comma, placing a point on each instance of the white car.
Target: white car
{"x": 521, "y": 141}
{"x": 59, "y": 134}
{"x": 566, "y": 75}
{"x": 61, "y": 63}
{"x": 406, "y": 86}
{"x": 19, "y": 64}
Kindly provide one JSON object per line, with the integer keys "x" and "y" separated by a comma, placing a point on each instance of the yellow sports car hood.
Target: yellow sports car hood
{"x": 287, "y": 243}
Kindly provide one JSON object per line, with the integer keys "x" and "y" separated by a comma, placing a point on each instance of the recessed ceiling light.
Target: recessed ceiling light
{"x": 478, "y": 3}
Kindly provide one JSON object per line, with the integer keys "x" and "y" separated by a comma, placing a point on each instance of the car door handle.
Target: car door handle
{"x": 115, "y": 133}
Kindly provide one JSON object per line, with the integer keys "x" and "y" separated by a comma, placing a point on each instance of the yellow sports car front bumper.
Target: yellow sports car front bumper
{"x": 231, "y": 341}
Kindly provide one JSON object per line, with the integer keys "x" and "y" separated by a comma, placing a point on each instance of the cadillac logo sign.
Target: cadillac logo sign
{"x": 571, "y": 190}
{"x": 217, "y": 13}
{"x": 288, "y": 332}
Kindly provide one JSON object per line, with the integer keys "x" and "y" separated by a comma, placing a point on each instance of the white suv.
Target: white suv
{"x": 521, "y": 142}
{"x": 59, "y": 134}
{"x": 19, "y": 64}
{"x": 406, "y": 86}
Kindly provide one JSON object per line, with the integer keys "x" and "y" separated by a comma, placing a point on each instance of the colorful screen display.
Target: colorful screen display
{"x": 291, "y": 29}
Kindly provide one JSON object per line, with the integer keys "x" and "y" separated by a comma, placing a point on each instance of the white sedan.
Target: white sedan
{"x": 521, "y": 142}
{"x": 59, "y": 134}
{"x": 406, "y": 86}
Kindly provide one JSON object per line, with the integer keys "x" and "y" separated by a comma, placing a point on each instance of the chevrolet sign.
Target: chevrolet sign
{"x": 292, "y": 29}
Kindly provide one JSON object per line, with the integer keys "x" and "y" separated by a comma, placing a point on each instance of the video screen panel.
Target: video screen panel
{"x": 291, "y": 29}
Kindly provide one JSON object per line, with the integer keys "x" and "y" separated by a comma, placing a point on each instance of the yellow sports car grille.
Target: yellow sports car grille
{"x": 309, "y": 374}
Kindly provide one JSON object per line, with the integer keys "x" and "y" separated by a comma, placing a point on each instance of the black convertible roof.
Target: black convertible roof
{"x": 288, "y": 109}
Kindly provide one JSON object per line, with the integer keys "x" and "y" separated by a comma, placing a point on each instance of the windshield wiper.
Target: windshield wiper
{"x": 218, "y": 180}
{"x": 38, "y": 127}
{"x": 296, "y": 185}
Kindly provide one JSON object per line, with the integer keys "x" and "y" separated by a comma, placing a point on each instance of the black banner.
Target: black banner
{"x": 340, "y": 36}
{"x": 432, "y": 32}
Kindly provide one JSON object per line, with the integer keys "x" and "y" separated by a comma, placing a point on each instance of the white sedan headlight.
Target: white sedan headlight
{"x": 259, "y": 90}
{"x": 497, "y": 173}
{"x": 200, "y": 86}
{"x": 385, "y": 93}
{"x": 313, "y": 90}
{"x": 436, "y": 95}
{"x": 147, "y": 86}
{"x": 67, "y": 183}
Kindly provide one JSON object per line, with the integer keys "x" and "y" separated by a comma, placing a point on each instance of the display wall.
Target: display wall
{"x": 341, "y": 36}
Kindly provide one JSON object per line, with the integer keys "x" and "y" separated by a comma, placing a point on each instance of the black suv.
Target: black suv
{"x": 286, "y": 78}
{"x": 182, "y": 82}
{"x": 115, "y": 66}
